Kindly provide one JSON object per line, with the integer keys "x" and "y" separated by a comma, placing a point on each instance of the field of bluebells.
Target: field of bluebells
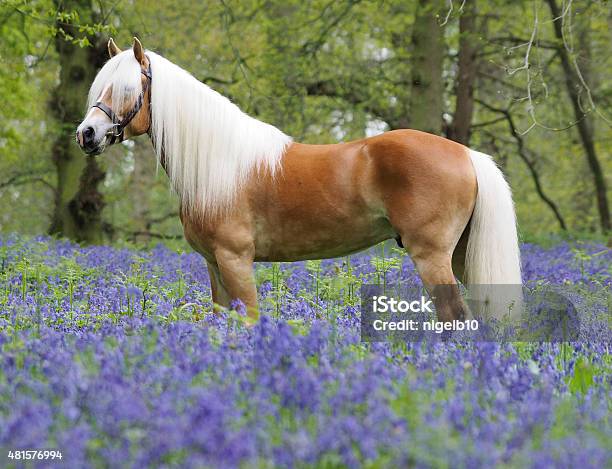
{"x": 112, "y": 356}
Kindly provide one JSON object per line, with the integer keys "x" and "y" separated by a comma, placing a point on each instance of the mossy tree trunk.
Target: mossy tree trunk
{"x": 427, "y": 60}
{"x": 78, "y": 203}
{"x": 460, "y": 128}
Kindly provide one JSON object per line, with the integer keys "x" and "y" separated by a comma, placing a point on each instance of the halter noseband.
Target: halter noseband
{"x": 119, "y": 125}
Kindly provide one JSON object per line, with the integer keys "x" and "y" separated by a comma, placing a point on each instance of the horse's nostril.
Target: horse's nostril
{"x": 88, "y": 134}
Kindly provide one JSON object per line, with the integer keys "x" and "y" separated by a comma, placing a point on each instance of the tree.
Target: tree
{"x": 575, "y": 83}
{"x": 459, "y": 130}
{"x": 426, "y": 95}
{"x": 78, "y": 202}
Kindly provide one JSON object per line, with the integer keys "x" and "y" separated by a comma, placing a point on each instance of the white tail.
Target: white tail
{"x": 492, "y": 261}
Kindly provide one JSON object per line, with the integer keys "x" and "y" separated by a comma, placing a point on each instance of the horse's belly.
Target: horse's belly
{"x": 295, "y": 240}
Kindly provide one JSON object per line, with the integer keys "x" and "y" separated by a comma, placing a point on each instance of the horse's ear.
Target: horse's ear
{"x": 139, "y": 52}
{"x": 113, "y": 50}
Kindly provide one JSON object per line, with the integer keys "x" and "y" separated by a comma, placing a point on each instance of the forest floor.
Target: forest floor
{"x": 110, "y": 355}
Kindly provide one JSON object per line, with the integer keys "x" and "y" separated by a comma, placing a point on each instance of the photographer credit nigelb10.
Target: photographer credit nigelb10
{"x": 385, "y": 304}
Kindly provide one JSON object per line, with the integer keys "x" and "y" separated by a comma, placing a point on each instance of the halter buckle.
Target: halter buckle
{"x": 110, "y": 132}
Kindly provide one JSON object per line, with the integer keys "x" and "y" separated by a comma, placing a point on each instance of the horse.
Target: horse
{"x": 249, "y": 193}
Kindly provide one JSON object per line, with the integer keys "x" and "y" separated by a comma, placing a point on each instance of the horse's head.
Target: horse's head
{"x": 119, "y": 100}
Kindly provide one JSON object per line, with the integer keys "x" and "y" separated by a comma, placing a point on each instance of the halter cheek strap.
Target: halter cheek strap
{"x": 119, "y": 125}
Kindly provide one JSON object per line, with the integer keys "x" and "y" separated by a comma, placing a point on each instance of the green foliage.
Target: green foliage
{"x": 582, "y": 379}
{"x": 323, "y": 72}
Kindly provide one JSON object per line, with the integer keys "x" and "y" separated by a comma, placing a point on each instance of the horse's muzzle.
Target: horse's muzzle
{"x": 89, "y": 142}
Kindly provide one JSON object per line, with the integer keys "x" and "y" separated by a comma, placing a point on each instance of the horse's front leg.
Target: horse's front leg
{"x": 235, "y": 278}
{"x": 219, "y": 294}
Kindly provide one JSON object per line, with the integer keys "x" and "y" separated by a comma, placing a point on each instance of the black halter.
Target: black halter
{"x": 119, "y": 125}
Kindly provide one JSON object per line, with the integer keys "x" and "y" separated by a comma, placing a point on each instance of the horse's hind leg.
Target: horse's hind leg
{"x": 431, "y": 247}
{"x": 435, "y": 270}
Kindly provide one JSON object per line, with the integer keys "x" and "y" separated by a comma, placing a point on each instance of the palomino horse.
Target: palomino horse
{"x": 249, "y": 193}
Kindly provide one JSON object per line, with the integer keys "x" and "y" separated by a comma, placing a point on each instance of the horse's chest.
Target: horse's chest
{"x": 199, "y": 237}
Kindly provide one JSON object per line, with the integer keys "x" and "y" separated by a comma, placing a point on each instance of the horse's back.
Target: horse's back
{"x": 413, "y": 147}
{"x": 417, "y": 164}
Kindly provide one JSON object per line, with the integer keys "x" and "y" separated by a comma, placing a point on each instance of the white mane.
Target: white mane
{"x": 210, "y": 146}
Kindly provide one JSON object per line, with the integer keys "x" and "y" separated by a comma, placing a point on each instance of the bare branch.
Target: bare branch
{"x": 450, "y": 11}
{"x": 567, "y": 38}
{"x": 523, "y": 153}
{"x": 312, "y": 47}
{"x": 162, "y": 218}
{"x": 22, "y": 179}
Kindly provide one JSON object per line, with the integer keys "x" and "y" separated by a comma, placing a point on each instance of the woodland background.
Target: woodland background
{"x": 527, "y": 81}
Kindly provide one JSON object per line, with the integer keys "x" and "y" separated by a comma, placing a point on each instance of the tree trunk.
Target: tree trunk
{"x": 78, "y": 202}
{"x": 584, "y": 123}
{"x": 427, "y": 61}
{"x": 460, "y": 128}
